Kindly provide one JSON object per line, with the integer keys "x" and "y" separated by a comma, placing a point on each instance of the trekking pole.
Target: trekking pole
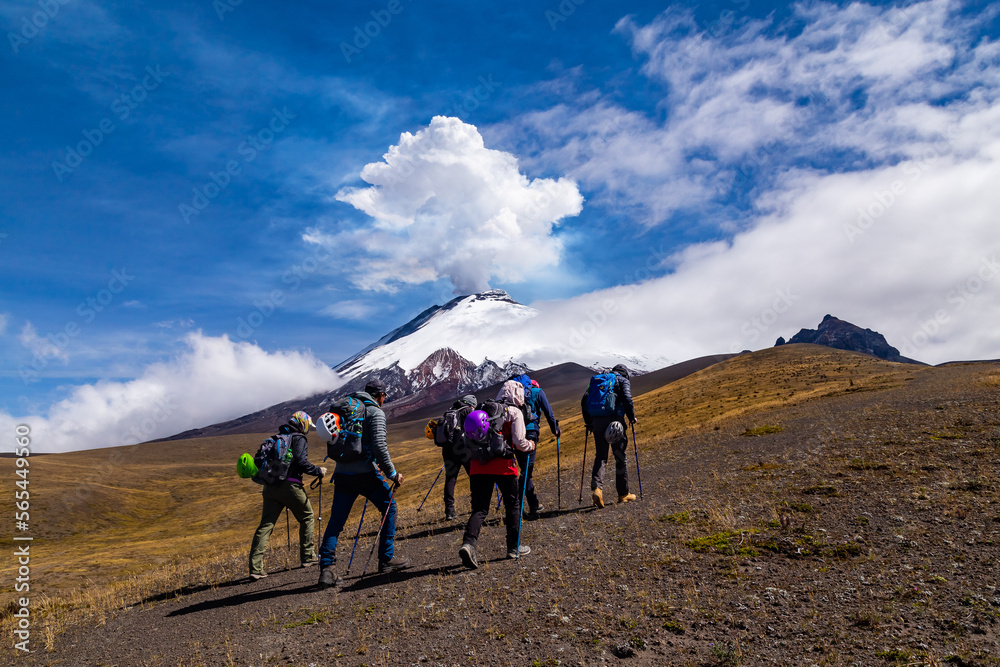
{"x": 520, "y": 509}
{"x": 498, "y": 495}
{"x": 431, "y": 489}
{"x": 636, "y": 448}
{"x": 356, "y": 537}
{"x": 558, "y": 474}
{"x": 379, "y": 533}
{"x": 583, "y": 466}
{"x": 319, "y": 514}
{"x": 288, "y": 538}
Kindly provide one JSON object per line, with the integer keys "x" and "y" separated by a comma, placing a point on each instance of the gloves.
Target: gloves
{"x": 557, "y": 430}
{"x": 634, "y": 421}
{"x": 322, "y": 471}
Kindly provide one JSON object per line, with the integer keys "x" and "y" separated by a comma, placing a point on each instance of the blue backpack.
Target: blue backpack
{"x": 273, "y": 459}
{"x": 601, "y": 395}
{"x": 346, "y": 447}
{"x": 531, "y": 400}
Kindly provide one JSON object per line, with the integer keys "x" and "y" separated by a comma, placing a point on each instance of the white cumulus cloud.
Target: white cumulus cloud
{"x": 444, "y": 205}
{"x": 214, "y": 379}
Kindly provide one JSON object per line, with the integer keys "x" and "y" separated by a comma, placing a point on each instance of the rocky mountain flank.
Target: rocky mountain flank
{"x": 841, "y": 335}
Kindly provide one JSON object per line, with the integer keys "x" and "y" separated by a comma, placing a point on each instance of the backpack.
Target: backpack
{"x": 601, "y": 395}
{"x": 493, "y": 445}
{"x": 346, "y": 447}
{"x": 528, "y": 409}
{"x": 451, "y": 426}
{"x": 531, "y": 403}
{"x": 274, "y": 458}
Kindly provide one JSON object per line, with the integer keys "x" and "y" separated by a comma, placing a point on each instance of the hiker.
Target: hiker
{"x": 496, "y": 429}
{"x": 605, "y": 405}
{"x": 361, "y": 477}
{"x": 291, "y": 494}
{"x": 538, "y": 405}
{"x": 455, "y": 450}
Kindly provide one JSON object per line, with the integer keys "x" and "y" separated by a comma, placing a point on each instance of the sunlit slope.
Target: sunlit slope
{"x": 100, "y": 515}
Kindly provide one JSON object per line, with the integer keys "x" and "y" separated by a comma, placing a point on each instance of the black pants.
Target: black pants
{"x": 482, "y": 498}
{"x": 451, "y": 468}
{"x": 600, "y": 424}
{"x": 526, "y": 462}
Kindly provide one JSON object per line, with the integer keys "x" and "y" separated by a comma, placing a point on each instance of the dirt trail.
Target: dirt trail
{"x": 865, "y": 531}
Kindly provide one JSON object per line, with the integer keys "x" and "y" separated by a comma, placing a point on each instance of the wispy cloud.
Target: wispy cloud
{"x": 351, "y": 310}
{"x": 42, "y": 348}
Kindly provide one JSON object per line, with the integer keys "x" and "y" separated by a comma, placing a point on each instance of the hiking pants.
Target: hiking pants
{"x": 482, "y": 498}
{"x": 526, "y": 462}
{"x": 600, "y": 424}
{"x": 276, "y": 498}
{"x": 451, "y": 468}
{"x": 346, "y": 489}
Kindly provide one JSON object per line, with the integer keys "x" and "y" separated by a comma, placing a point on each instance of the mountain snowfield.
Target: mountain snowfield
{"x": 490, "y": 326}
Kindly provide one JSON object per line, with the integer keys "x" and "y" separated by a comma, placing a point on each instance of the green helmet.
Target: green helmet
{"x": 246, "y": 467}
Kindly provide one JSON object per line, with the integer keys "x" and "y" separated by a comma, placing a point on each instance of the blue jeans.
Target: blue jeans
{"x": 346, "y": 489}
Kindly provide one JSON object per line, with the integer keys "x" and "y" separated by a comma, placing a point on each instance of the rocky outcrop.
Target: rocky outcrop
{"x": 841, "y": 335}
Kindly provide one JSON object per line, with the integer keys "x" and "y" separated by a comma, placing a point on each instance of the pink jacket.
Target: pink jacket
{"x": 513, "y": 431}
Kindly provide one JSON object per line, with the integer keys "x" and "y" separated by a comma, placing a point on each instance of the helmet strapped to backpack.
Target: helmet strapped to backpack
{"x": 483, "y": 430}
{"x": 430, "y": 429}
{"x": 328, "y": 426}
{"x": 245, "y": 467}
{"x": 615, "y": 433}
{"x": 347, "y": 446}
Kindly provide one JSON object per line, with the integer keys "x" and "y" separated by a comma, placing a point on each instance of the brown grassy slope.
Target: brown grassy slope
{"x": 100, "y": 516}
{"x": 865, "y": 531}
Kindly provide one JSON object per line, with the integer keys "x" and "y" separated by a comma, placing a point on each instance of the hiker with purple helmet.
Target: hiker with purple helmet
{"x": 499, "y": 427}
{"x": 289, "y": 493}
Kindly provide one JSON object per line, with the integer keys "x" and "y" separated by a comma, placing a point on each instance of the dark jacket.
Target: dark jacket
{"x": 623, "y": 400}
{"x": 300, "y": 466}
{"x": 373, "y": 441}
{"x": 540, "y": 406}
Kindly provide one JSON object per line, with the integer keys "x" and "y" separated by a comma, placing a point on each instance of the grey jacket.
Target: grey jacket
{"x": 373, "y": 441}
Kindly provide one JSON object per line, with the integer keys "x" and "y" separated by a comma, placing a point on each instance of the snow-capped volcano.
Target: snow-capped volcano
{"x": 488, "y": 331}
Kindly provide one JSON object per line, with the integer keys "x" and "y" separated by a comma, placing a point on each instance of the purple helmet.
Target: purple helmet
{"x": 477, "y": 425}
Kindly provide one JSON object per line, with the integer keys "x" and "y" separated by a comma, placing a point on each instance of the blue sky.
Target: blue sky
{"x": 693, "y": 130}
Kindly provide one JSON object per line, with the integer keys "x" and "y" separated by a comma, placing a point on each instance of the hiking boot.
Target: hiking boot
{"x": 309, "y": 562}
{"x": 627, "y": 498}
{"x": 598, "y": 498}
{"x": 394, "y": 564}
{"x": 328, "y": 578}
{"x": 522, "y": 550}
{"x": 468, "y": 555}
{"x": 257, "y": 576}
{"x": 450, "y": 516}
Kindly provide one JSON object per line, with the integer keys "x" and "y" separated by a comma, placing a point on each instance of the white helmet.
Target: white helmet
{"x": 328, "y": 426}
{"x": 614, "y": 433}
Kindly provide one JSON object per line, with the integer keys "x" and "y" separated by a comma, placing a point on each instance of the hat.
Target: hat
{"x": 375, "y": 386}
{"x": 620, "y": 369}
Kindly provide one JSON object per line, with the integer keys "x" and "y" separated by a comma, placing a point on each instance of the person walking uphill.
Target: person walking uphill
{"x": 495, "y": 430}
{"x": 605, "y": 405}
{"x": 538, "y": 404}
{"x": 291, "y": 494}
{"x": 456, "y": 452}
{"x": 361, "y": 477}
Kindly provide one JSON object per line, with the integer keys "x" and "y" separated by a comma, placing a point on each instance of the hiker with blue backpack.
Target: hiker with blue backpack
{"x": 605, "y": 406}
{"x": 356, "y": 433}
{"x": 538, "y": 405}
{"x": 495, "y": 430}
{"x": 280, "y": 465}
